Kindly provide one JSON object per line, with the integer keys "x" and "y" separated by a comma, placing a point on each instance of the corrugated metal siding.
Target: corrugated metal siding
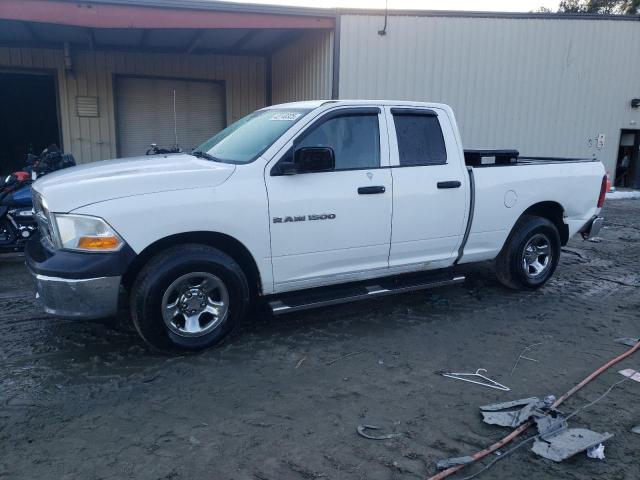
{"x": 303, "y": 70}
{"x": 90, "y": 139}
{"x": 546, "y": 87}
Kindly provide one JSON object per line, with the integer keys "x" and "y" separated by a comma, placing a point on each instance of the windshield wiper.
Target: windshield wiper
{"x": 205, "y": 155}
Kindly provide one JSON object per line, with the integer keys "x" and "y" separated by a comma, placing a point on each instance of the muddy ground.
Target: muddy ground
{"x": 282, "y": 399}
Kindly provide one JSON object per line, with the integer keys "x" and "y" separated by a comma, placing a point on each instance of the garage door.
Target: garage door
{"x": 145, "y": 113}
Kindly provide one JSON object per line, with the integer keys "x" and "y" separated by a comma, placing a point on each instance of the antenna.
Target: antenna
{"x": 175, "y": 119}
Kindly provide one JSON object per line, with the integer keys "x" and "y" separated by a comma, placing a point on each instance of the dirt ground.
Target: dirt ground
{"x": 283, "y": 398}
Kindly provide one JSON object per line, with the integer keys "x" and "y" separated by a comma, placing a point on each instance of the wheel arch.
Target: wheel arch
{"x": 552, "y": 211}
{"x": 229, "y": 245}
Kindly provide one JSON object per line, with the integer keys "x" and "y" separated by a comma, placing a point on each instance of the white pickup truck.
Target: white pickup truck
{"x": 304, "y": 204}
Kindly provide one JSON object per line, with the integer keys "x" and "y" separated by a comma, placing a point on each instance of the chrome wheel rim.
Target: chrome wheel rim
{"x": 195, "y": 304}
{"x": 536, "y": 258}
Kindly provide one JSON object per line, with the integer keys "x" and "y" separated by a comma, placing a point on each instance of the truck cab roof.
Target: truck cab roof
{"x": 313, "y": 104}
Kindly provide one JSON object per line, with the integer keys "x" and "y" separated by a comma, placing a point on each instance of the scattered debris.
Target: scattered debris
{"x": 631, "y": 374}
{"x": 345, "y": 356}
{"x": 453, "y": 462}
{"x": 300, "y": 362}
{"x": 486, "y": 383}
{"x": 522, "y": 357}
{"x": 492, "y": 415}
{"x": 568, "y": 442}
{"x": 548, "y": 427}
{"x": 629, "y": 342}
{"x": 574, "y": 252}
{"x": 596, "y": 452}
{"x": 494, "y": 407}
{"x": 362, "y": 431}
{"x": 555, "y": 440}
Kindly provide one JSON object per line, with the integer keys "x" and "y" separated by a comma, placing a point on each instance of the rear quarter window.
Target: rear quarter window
{"x": 420, "y": 139}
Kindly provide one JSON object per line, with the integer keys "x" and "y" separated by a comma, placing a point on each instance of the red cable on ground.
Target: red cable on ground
{"x": 487, "y": 451}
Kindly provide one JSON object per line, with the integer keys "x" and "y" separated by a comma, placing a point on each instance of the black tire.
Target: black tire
{"x": 162, "y": 272}
{"x": 511, "y": 264}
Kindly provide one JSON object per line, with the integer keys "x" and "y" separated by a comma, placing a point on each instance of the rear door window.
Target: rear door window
{"x": 420, "y": 140}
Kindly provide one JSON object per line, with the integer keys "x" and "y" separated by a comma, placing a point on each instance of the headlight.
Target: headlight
{"x": 85, "y": 233}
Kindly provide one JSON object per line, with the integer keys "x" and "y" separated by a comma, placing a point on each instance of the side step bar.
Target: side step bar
{"x": 314, "y": 298}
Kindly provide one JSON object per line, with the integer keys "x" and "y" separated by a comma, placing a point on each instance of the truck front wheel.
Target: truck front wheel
{"x": 530, "y": 254}
{"x": 188, "y": 297}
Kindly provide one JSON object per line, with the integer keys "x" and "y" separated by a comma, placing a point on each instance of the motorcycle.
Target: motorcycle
{"x": 50, "y": 160}
{"x": 156, "y": 150}
{"x": 17, "y": 222}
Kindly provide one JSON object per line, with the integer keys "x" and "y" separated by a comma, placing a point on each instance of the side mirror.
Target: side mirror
{"x": 285, "y": 168}
{"x": 314, "y": 159}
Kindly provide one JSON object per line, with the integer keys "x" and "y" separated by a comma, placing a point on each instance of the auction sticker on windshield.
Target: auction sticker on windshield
{"x": 286, "y": 116}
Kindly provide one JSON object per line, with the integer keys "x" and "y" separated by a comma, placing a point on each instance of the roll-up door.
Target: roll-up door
{"x": 145, "y": 113}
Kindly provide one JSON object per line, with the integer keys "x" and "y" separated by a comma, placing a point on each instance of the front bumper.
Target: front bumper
{"x": 76, "y": 284}
{"x": 88, "y": 298}
{"x": 592, "y": 228}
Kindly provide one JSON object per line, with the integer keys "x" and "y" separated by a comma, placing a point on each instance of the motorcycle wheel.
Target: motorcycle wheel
{"x": 8, "y": 234}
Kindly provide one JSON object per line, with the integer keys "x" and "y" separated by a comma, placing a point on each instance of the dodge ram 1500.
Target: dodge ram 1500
{"x": 302, "y": 204}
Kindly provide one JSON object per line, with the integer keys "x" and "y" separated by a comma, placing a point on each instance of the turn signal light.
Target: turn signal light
{"x": 98, "y": 243}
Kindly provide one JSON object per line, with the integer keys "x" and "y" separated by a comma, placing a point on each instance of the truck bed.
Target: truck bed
{"x": 501, "y": 196}
{"x": 510, "y": 157}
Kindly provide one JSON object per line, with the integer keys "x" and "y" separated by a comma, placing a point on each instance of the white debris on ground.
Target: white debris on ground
{"x": 596, "y": 452}
{"x": 623, "y": 194}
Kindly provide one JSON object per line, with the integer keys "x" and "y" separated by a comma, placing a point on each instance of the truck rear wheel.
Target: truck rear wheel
{"x": 530, "y": 254}
{"x": 188, "y": 297}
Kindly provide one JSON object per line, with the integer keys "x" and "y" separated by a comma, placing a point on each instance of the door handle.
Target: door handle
{"x": 371, "y": 190}
{"x": 450, "y": 184}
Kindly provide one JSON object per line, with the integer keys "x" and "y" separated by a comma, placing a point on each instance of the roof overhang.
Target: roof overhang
{"x": 164, "y": 26}
{"x": 161, "y": 14}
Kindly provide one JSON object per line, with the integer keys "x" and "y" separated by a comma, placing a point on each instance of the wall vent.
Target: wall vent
{"x": 87, "y": 106}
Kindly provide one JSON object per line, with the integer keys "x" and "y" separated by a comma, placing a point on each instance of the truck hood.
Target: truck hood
{"x": 75, "y": 187}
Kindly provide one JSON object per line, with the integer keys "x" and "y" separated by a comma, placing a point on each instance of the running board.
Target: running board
{"x": 335, "y": 295}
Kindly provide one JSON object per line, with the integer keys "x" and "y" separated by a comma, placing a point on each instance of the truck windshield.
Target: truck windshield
{"x": 246, "y": 139}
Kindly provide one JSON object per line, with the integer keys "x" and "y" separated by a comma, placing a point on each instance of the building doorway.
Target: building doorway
{"x": 628, "y": 164}
{"x": 28, "y": 117}
{"x": 166, "y": 111}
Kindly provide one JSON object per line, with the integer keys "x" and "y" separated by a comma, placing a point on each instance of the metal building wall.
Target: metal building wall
{"x": 303, "y": 70}
{"x": 545, "y": 86}
{"x": 90, "y": 139}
